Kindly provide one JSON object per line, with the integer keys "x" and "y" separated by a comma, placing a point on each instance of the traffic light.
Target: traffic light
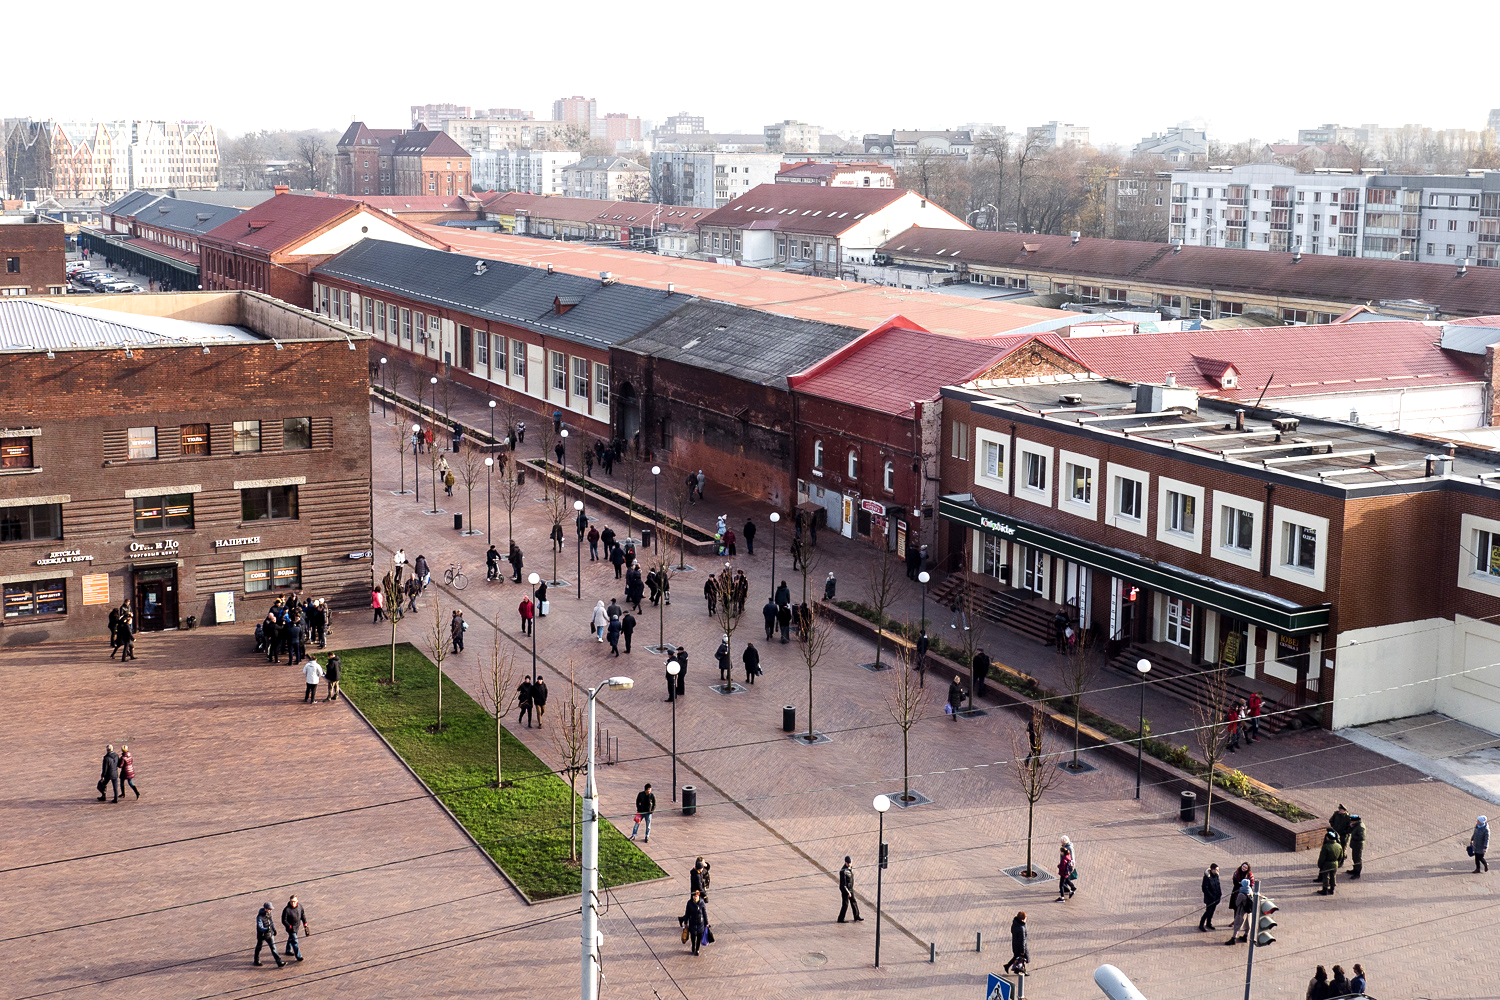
{"x": 1263, "y": 935}
{"x": 885, "y": 855}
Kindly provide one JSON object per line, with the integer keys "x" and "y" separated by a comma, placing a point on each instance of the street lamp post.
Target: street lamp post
{"x": 1144, "y": 666}
{"x": 882, "y": 803}
{"x": 416, "y": 470}
{"x": 923, "y": 578}
{"x": 489, "y": 464}
{"x": 578, "y": 590}
{"x": 536, "y": 616}
{"x": 656, "y": 478}
{"x": 590, "y": 936}
{"x": 492, "y": 421}
{"x": 564, "y": 462}
{"x": 384, "y": 411}
{"x": 673, "y": 669}
{"x": 433, "y": 380}
{"x": 775, "y": 520}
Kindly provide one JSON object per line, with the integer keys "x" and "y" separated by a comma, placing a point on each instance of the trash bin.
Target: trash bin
{"x": 458, "y": 522}
{"x": 788, "y": 718}
{"x": 646, "y": 533}
{"x": 689, "y": 800}
{"x": 1187, "y": 811}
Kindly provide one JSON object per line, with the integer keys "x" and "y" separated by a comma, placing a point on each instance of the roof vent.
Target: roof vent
{"x": 1439, "y": 465}
{"x": 1177, "y": 245}
{"x": 480, "y": 267}
{"x": 204, "y": 216}
{"x": 1285, "y": 424}
{"x": 1071, "y": 399}
{"x": 1463, "y": 267}
{"x": 549, "y": 268}
{"x": 607, "y": 277}
{"x": 1297, "y": 254}
{"x": 671, "y": 288}
{"x": 1171, "y": 378}
{"x": 1075, "y": 236}
{"x": 256, "y": 224}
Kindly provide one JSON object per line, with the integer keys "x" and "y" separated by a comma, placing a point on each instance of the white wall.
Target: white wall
{"x": 1387, "y": 657}
{"x": 1421, "y": 408}
{"x": 911, "y": 209}
{"x": 1473, "y": 697}
{"x": 362, "y": 225}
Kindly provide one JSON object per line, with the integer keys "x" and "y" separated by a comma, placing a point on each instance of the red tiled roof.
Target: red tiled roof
{"x": 429, "y": 144}
{"x": 357, "y": 134}
{"x": 1294, "y": 360}
{"x": 280, "y": 222}
{"x": 804, "y": 208}
{"x": 1264, "y": 272}
{"x": 803, "y": 297}
{"x": 584, "y": 211}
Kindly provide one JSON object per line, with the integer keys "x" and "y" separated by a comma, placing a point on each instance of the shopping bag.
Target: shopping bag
{"x": 546, "y": 606}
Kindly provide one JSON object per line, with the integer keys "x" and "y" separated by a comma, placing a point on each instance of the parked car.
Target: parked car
{"x": 74, "y": 266}
{"x": 122, "y": 286}
{"x": 98, "y": 281}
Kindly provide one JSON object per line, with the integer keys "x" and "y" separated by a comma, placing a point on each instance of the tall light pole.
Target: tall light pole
{"x": 536, "y": 616}
{"x": 416, "y": 470}
{"x": 383, "y": 401}
{"x": 1144, "y": 666}
{"x": 433, "y": 380}
{"x": 923, "y": 578}
{"x": 492, "y": 421}
{"x": 655, "y": 479}
{"x": 578, "y": 589}
{"x": 673, "y": 669}
{"x": 489, "y": 464}
{"x": 775, "y": 520}
{"x": 882, "y": 803}
{"x": 590, "y": 935}
{"x": 564, "y": 462}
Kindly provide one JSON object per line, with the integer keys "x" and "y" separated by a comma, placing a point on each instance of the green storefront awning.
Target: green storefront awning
{"x": 1263, "y": 609}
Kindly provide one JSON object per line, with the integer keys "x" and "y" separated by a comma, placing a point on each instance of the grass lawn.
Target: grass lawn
{"x": 524, "y": 826}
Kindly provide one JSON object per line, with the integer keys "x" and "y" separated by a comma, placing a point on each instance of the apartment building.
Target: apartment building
{"x": 793, "y": 137}
{"x": 606, "y": 178}
{"x": 1054, "y": 135}
{"x": 430, "y": 117}
{"x": 32, "y": 255}
{"x": 1177, "y": 145}
{"x": 108, "y": 158}
{"x": 482, "y": 134}
{"x": 534, "y": 171}
{"x": 958, "y": 142}
{"x": 577, "y": 111}
{"x": 705, "y": 179}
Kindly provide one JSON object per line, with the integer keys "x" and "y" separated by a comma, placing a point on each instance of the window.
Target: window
{"x": 36, "y": 598}
{"x": 1452, "y": 225}
{"x": 888, "y": 477}
{"x": 296, "y": 433}
{"x": 1238, "y": 529}
{"x": 959, "y": 444}
{"x": 601, "y": 384}
{"x": 142, "y": 442}
{"x": 380, "y": 318}
{"x": 559, "y": 371}
{"x": 1128, "y": 499}
{"x": 1080, "y": 483}
{"x": 268, "y": 503}
{"x": 481, "y": 348}
{"x": 194, "y": 439}
{"x": 164, "y": 513}
{"x": 406, "y": 326}
{"x": 246, "y": 436}
{"x": 518, "y": 357}
{"x": 1299, "y": 546}
{"x": 369, "y": 323}
{"x": 1036, "y": 470}
{"x": 419, "y": 322}
{"x": 12, "y": 265}
{"x": 434, "y": 326}
{"x": 991, "y": 459}
{"x": 15, "y": 453}
{"x": 30, "y": 521}
{"x": 1179, "y": 630}
{"x": 853, "y": 464}
{"x": 581, "y": 378}
{"x": 817, "y": 454}
{"x": 280, "y": 573}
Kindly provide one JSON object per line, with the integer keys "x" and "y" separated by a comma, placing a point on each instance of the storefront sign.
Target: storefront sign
{"x": 146, "y": 550}
{"x": 998, "y": 527}
{"x": 873, "y": 506}
{"x": 366, "y": 554}
{"x": 66, "y": 556}
{"x": 95, "y": 588}
{"x": 225, "y": 543}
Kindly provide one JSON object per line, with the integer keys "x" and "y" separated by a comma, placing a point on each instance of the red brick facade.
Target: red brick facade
{"x": 31, "y": 259}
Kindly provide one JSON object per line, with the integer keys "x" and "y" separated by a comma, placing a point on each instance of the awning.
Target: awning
{"x": 1265, "y": 609}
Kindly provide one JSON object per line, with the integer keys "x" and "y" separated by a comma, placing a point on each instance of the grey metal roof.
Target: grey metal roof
{"x": 33, "y": 325}
{"x": 183, "y": 216}
{"x": 748, "y": 344}
{"x": 1468, "y": 339}
{"x": 128, "y": 203}
{"x": 511, "y": 293}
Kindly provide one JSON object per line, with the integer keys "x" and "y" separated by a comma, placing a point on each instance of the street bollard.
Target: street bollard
{"x": 979, "y": 940}
{"x": 932, "y": 951}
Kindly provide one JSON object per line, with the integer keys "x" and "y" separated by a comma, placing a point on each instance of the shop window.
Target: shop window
{"x": 194, "y": 439}
{"x": 269, "y": 503}
{"x": 35, "y": 599}
{"x": 15, "y": 453}
{"x": 296, "y": 433}
{"x": 991, "y": 549}
{"x": 246, "y": 436}
{"x": 280, "y": 573}
{"x": 142, "y": 442}
{"x": 164, "y": 513}
{"x": 29, "y": 522}
{"x": 888, "y": 477}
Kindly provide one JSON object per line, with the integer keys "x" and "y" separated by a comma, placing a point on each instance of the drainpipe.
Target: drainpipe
{"x": 1265, "y": 533}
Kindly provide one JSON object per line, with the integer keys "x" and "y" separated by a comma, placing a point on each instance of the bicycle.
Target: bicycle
{"x": 455, "y": 577}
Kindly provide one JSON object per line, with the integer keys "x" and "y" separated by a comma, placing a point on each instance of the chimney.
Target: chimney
{"x": 1463, "y": 267}
{"x": 549, "y": 268}
{"x": 1075, "y": 236}
{"x": 606, "y": 277}
{"x": 1171, "y": 378}
{"x": 1239, "y": 420}
{"x": 1297, "y": 254}
{"x": 281, "y": 189}
{"x": 670, "y": 288}
{"x": 1177, "y": 245}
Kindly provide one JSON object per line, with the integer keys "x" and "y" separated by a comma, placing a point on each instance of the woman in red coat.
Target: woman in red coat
{"x": 127, "y": 769}
{"x": 527, "y": 611}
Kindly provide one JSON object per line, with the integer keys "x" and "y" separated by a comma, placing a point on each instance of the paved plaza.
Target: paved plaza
{"x": 249, "y": 795}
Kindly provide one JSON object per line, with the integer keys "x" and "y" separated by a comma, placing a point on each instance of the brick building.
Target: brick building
{"x": 157, "y": 235}
{"x": 154, "y": 467}
{"x": 1351, "y": 571}
{"x": 392, "y": 161}
{"x": 33, "y": 255}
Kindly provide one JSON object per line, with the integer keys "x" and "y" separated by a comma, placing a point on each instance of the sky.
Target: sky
{"x": 1124, "y": 70}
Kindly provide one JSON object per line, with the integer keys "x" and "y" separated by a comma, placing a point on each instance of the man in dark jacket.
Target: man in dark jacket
{"x": 265, "y": 934}
{"x": 635, "y": 587}
{"x": 607, "y": 536}
{"x": 1356, "y": 844}
{"x": 1020, "y": 950}
{"x": 981, "y": 671}
{"x": 612, "y": 634}
{"x": 913, "y": 561}
{"x": 109, "y": 773}
{"x": 516, "y": 562}
{"x": 695, "y": 919}
{"x": 769, "y": 614}
{"x": 846, "y": 890}
{"x": 617, "y": 559}
{"x": 783, "y": 595}
{"x": 749, "y": 536}
{"x": 682, "y": 671}
{"x": 1330, "y": 857}
{"x": 645, "y": 805}
{"x": 751, "y": 658}
{"x": 539, "y": 699}
{"x": 923, "y": 644}
{"x": 294, "y": 919}
{"x": 333, "y": 671}
{"x": 523, "y": 701}
{"x": 725, "y": 667}
{"x": 784, "y": 619}
{"x": 627, "y": 628}
{"x": 1212, "y": 894}
{"x": 1340, "y": 823}
{"x": 423, "y": 571}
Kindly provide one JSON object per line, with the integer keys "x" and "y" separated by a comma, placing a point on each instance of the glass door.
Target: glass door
{"x": 1035, "y": 576}
{"x": 1179, "y": 622}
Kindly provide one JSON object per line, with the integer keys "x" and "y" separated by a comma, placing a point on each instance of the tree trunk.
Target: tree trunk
{"x": 572, "y": 812}
{"x": 393, "y": 646}
{"x": 440, "y": 698}
{"x": 879, "y": 633}
{"x": 499, "y": 741}
{"x": 1208, "y": 808}
{"x": 1030, "y": 814}
{"x": 1077, "y": 727}
{"x": 809, "y": 705}
{"x": 905, "y": 763}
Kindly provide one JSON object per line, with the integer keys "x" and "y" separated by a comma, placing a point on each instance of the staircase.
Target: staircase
{"x": 1185, "y": 683}
{"x": 1017, "y": 609}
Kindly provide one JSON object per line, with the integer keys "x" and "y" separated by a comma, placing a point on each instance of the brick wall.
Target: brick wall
{"x": 40, "y": 252}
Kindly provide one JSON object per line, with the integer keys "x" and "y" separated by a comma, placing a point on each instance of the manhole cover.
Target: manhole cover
{"x": 125, "y": 673}
{"x": 813, "y": 959}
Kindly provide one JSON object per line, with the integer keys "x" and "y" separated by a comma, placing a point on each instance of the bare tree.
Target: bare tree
{"x": 470, "y": 471}
{"x": 632, "y": 466}
{"x": 965, "y": 602}
{"x": 400, "y": 436}
{"x": 664, "y": 581}
{"x": 436, "y": 462}
{"x": 1034, "y": 774}
{"x": 681, "y": 493}
{"x": 511, "y": 489}
{"x": 906, "y": 701}
{"x": 727, "y": 613}
{"x": 390, "y": 593}
{"x": 439, "y": 634}
{"x": 570, "y": 742}
{"x": 1079, "y": 666}
{"x": 498, "y": 693}
{"x": 1211, "y": 710}
{"x": 555, "y": 499}
{"x": 312, "y": 154}
{"x": 1028, "y": 149}
{"x": 818, "y": 633}
{"x": 880, "y": 591}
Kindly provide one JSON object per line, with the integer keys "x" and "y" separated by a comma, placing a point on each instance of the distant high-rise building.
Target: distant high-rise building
{"x": 577, "y": 111}
{"x": 430, "y": 117}
{"x": 1494, "y": 123}
{"x": 683, "y": 123}
{"x": 792, "y": 137}
{"x": 1057, "y": 134}
{"x": 617, "y": 129}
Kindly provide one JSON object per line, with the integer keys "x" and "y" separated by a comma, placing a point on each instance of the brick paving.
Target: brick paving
{"x": 223, "y": 743}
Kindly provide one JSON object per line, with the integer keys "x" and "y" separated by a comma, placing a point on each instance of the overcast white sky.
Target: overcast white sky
{"x": 1124, "y": 69}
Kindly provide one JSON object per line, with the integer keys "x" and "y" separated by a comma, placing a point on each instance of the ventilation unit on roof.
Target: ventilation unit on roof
{"x": 1177, "y": 245}
{"x": 607, "y": 277}
{"x": 1070, "y": 399}
{"x": 1463, "y": 267}
{"x": 1297, "y": 254}
{"x": 480, "y": 267}
{"x": 1075, "y": 236}
{"x": 1285, "y": 424}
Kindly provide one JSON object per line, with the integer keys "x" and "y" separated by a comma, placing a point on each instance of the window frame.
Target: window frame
{"x": 1112, "y": 517}
{"x": 240, "y": 429}
{"x": 30, "y": 510}
{"x": 601, "y": 384}
{"x": 851, "y": 463}
{"x": 286, "y": 430}
{"x": 269, "y": 564}
{"x": 958, "y": 443}
{"x": 289, "y": 503}
{"x": 1469, "y": 576}
{"x": 1066, "y": 462}
{"x": 817, "y": 454}
{"x": 31, "y": 588}
{"x": 22, "y": 446}
{"x": 580, "y": 380}
{"x": 131, "y": 435}
{"x": 163, "y": 501}
{"x": 1192, "y": 541}
{"x": 1249, "y": 559}
{"x": 888, "y": 477}
{"x": 983, "y": 439}
{"x": 518, "y": 357}
{"x": 183, "y": 444}
{"x": 1025, "y": 451}
{"x": 1283, "y": 519}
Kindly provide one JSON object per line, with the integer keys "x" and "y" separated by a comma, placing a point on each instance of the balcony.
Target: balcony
{"x": 1281, "y": 203}
{"x": 1412, "y": 234}
{"x": 1281, "y": 227}
{"x": 1236, "y": 201}
{"x": 1179, "y": 199}
{"x": 1348, "y": 230}
{"x": 1489, "y": 237}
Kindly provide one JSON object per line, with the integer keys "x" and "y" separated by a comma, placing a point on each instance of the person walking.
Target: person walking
{"x": 846, "y": 891}
{"x": 1232, "y": 727}
{"x": 645, "y": 805}
{"x": 399, "y": 562}
{"x": 539, "y": 699}
{"x": 456, "y": 628}
{"x": 1330, "y": 857}
{"x": 109, "y": 774}
{"x": 311, "y": 673}
{"x": 729, "y": 541}
{"x": 541, "y": 599}
{"x": 422, "y": 571}
{"x": 1067, "y": 871}
{"x": 1253, "y": 708}
{"x": 527, "y": 611}
{"x": 294, "y": 919}
{"x": 923, "y": 645}
{"x": 784, "y": 621}
{"x": 593, "y": 537}
{"x": 265, "y": 934}
{"x": 955, "y": 697}
{"x": 796, "y": 554}
{"x": 523, "y": 701}
{"x": 751, "y": 659}
{"x": 612, "y": 633}
{"x": 1212, "y": 894}
{"x": 1317, "y": 987}
{"x": 694, "y": 921}
{"x": 114, "y": 629}
{"x": 1479, "y": 843}
{"x": 702, "y": 482}
{"x": 698, "y": 878}
{"x": 981, "y": 670}
{"x": 627, "y": 627}
{"x": 333, "y": 671}
{"x": 377, "y": 602}
{"x": 749, "y": 534}
{"x": 608, "y": 538}
{"x": 1242, "y": 903}
{"x": 126, "y": 636}
{"x": 711, "y": 593}
{"x": 958, "y": 615}
{"x": 830, "y": 586}
{"x": 768, "y": 612}
{"x": 1020, "y": 948}
{"x": 127, "y": 770}
{"x": 599, "y": 621}
{"x": 588, "y": 463}
{"x": 556, "y": 534}
{"x": 413, "y": 588}
{"x": 1356, "y": 845}
{"x": 635, "y": 588}
{"x": 617, "y": 559}
{"x": 913, "y": 561}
